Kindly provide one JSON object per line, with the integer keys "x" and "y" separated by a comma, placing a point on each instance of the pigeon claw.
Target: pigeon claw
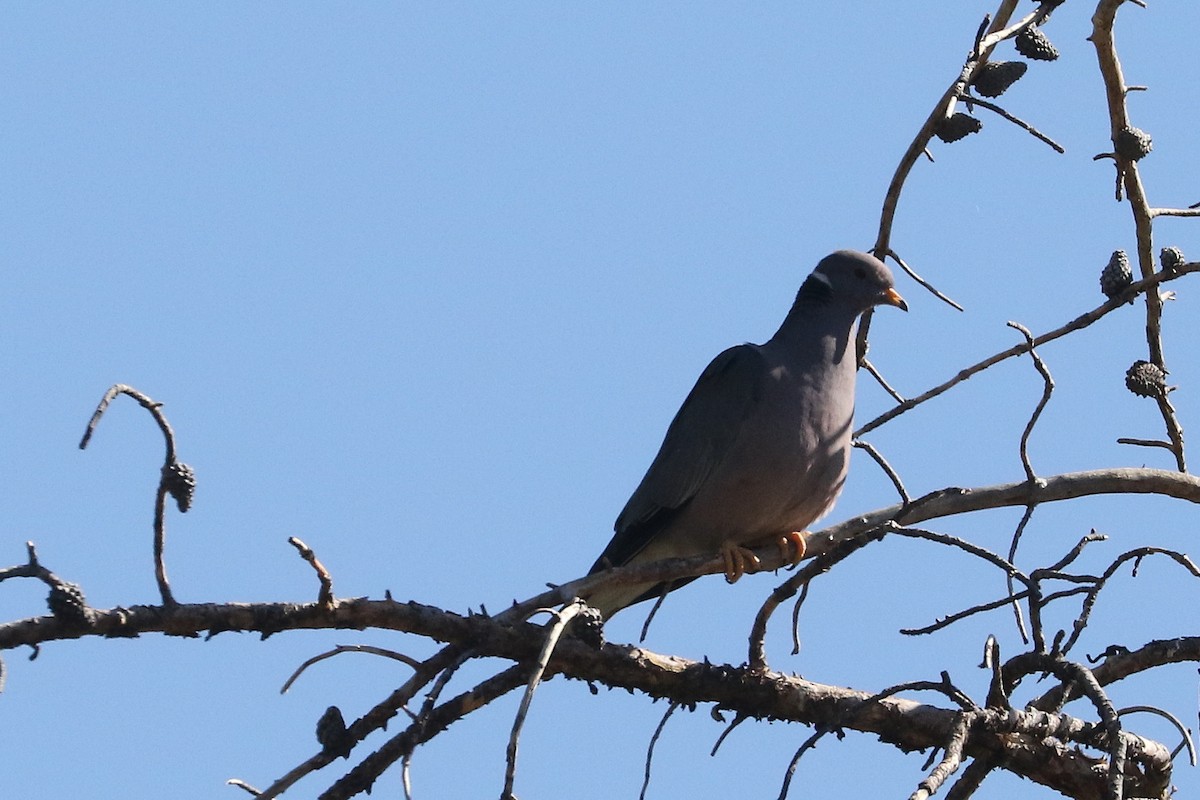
{"x": 792, "y": 547}
{"x": 738, "y": 560}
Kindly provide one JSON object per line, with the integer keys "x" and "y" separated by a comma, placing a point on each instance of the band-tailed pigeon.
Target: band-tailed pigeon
{"x": 759, "y": 449}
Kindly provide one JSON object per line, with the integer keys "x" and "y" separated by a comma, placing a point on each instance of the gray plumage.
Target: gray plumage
{"x": 761, "y": 445}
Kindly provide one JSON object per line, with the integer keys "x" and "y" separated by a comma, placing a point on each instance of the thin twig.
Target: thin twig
{"x": 1174, "y": 720}
{"x": 653, "y": 612}
{"x": 944, "y": 687}
{"x": 145, "y": 402}
{"x": 1018, "y": 532}
{"x": 998, "y": 691}
{"x": 1080, "y": 322}
{"x": 553, "y": 634}
{"x": 1047, "y": 390}
{"x": 650, "y": 749}
{"x": 1191, "y": 211}
{"x": 886, "y": 467}
{"x": 971, "y": 778}
{"x": 406, "y": 776}
{"x": 348, "y": 648}
{"x": 866, "y": 364}
{"x": 241, "y": 784}
{"x": 160, "y": 546}
{"x": 808, "y": 744}
{"x": 796, "y": 618}
{"x": 950, "y": 619}
{"x": 950, "y": 761}
{"x": 325, "y": 595}
{"x": 30, "y": 569}
{"x": 973, "y": 100}
{"x": 963, "y": 544}
{"x": 928, "y": 286}
{"x": 1146, "y": 443}
{"x": 799, "y": 581}
{"x": 737, "y": 720}
{"x": 1093, "y": 594}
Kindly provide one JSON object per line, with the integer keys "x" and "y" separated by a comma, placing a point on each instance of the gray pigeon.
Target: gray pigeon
{"x": 759, "y": 449}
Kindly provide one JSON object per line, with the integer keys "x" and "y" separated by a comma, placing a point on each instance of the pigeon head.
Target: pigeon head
{"x": 853, "y": 280}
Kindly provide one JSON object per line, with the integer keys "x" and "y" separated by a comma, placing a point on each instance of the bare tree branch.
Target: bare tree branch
{"x": 176, "y": 478}
{"x": 1079, "y": 323}
{"x": 1128, "y": 176}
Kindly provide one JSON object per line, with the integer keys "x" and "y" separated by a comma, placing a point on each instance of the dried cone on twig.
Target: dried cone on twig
{"x": 1146, "y": 380}
{"x": 67, "y": 603}
{"x": 1133, "y": 143}
{"x": 994, "y": 77}
{"x": 180, "y": 482}
{"x": 589, "y": 627}
{"x": 957, "y": 126}
{"x": 1171, "y": 259}
{"x": 332, "y": 735}
{"x": 1116, "y": 275}
{"x": 1034, "y": 45}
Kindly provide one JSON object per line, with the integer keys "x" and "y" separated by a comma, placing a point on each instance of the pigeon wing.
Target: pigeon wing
{"x": 703, "y": 431}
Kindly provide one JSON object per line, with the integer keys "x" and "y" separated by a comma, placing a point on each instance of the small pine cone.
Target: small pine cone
{"x": 180, "y": 481}
{"x": 66, "y": 602}
{"x": 994, "y": 77}
{"x": 1146, "y": 380}
{"x": 588, "y": 626}
{"x": 1034, "y": 45}
{"x": 1133, "y": 143}
{"x": 957, "y": 126}
{"x": 1171, "y": 259}
{"x": 1116, "y": 275}
{"x": 331, "y": 733}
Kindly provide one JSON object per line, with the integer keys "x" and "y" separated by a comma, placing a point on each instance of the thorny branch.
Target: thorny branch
{"x": 740, "y": 689}
{"x": 433, "y": 622}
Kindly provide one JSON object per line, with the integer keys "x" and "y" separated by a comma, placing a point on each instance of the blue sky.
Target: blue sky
{"x": 423, "y": 284}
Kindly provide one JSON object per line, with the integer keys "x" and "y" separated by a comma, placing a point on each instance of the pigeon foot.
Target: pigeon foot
{"x": 737, "y": 560}
{"x": 792, "y": 547}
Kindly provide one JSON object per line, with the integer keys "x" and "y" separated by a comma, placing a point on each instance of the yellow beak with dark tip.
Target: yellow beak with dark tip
{"x": 892, "y": 298}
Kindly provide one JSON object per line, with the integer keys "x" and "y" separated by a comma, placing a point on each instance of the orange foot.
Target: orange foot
{"x": 792, "y": 547}
{"x": 737, "y": 559}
